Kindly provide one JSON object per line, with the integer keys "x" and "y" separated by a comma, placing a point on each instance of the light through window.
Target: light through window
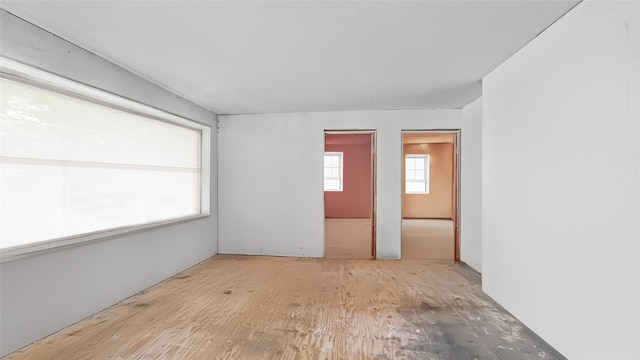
{"x": 69, "y": 166}
{"x": 332, "y": 171}
{"x": 416, "y": 174}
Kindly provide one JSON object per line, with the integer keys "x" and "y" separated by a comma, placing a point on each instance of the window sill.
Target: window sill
{"x": 43, "y": 247}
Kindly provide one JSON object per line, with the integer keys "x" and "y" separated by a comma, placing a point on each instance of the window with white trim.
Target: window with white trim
{"x": 78, "y": 161}
{"x": 333, "y": 171}
{"x": 416, "y": 174}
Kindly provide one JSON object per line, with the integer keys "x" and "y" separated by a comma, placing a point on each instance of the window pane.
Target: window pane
{"x": 410, "y": 175}
{"x": 78, "y": 200}
{"x": 332, "y": 184}
{"x": 332, "y": 173}
{"x": 61, "y": 127}
{"x": 410, "y": 163}
{"x": 415, "y": 187}
{"x": 419, "y": 174}
{"x": 419, "y": 163}
{"x": 71, "y": 166}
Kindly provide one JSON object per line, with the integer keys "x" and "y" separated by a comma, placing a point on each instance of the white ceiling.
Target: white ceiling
{"x": 261, "y": 57}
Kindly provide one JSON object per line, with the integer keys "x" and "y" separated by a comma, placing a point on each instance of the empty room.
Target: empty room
{"x": 320, "y": 179}
{"x": 430, "y": 196}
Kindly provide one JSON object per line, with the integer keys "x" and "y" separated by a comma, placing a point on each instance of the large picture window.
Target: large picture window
{"x": 72, "y": 165}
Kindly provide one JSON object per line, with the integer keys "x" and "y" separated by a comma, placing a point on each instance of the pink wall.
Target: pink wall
{"x": 354, "y": 201}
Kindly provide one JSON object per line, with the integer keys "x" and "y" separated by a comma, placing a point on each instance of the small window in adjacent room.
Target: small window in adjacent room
{"x": 332, "y": 171}
{"x": 416, "y": 174}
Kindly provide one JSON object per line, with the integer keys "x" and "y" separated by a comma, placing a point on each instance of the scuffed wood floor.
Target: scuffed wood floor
{"x": 242, "y": 307}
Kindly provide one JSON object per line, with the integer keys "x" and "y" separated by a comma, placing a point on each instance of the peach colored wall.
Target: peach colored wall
{"x": 438, "y": 204}
{"x": 354, "y": 201}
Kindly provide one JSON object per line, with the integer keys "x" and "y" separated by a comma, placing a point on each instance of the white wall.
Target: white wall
{"x": 44, "y": 293}
{"x": 471, "y": 185}
{"x": 271, "y": 190}
{"x": 561, "y": 161}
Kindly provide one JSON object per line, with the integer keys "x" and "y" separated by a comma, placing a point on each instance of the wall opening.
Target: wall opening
{"x": 430, "y": 188}
{"x": 350, "y": 211}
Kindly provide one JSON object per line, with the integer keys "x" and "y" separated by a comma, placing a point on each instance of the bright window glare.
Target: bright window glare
{"x": 69, "y": 166}
{"x": 333, "y": 171}
{"x": 416, "y": 173}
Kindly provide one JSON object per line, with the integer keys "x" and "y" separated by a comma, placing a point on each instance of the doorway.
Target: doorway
{"x": 349, "y": 199}
{"x": 430, "y": 195}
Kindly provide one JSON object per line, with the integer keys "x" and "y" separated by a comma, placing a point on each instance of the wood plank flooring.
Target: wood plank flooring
{"x": 243, "y": 307}
{"x": 428, "y": 239}
{"x": 347, "y": 238}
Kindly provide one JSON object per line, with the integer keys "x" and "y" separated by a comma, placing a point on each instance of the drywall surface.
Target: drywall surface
{"x": 561, "y": 183}
{"x": 438, "y": 203}
{"x": 285, "y": 207}
{"x": 471, "y": 185}
{"x": 44, "y": 293}
{"x": 354, "y": 201}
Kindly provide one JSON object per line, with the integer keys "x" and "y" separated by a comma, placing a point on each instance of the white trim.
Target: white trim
{"x": 13, "y": 69}
{"x": 36, "y": 248}
{"x": 93, "y": 164}
{"x": 348, "y": 132}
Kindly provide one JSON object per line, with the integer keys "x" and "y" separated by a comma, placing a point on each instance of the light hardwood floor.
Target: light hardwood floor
{"x": 242, "y": 307}
{"x": 348, "y": 238}
{"x": 427, "y": 239}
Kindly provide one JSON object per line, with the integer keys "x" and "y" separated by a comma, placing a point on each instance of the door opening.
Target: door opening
{"x": 430, "y": 195}
{"x": 349, "y": 194}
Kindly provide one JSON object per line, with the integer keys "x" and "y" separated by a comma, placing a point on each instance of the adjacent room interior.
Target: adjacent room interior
{"x": 349, "y": 160}
{"x": 429, "y": 187}
{"x": 247, "y": 179}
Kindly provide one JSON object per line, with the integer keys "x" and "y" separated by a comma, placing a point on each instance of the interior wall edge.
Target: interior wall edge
{"x": 561, "y": 247}
{"x": 471, "y": 185}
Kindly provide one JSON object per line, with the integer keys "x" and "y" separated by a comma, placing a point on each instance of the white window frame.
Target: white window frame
{"x": 14, "y": 70}
{"x": 426, "y": 159}
{"x": 340, "y": 177}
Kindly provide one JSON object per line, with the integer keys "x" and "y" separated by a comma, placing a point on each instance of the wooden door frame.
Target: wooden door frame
{"x": 456, "y": 180}
{"x": 374, "y": 198}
